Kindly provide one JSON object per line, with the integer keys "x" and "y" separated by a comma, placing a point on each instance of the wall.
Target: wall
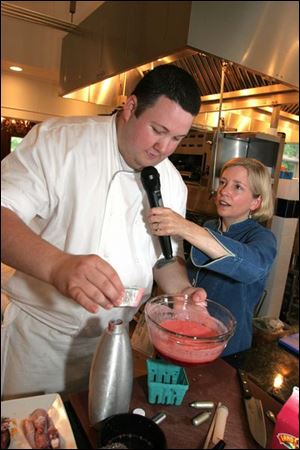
{"x": 37, "y": 45}
{"x": 36, "y": 100}
{"x": 33, "y": 94}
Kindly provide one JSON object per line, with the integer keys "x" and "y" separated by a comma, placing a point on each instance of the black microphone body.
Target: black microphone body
{"x": 151, "y": 183}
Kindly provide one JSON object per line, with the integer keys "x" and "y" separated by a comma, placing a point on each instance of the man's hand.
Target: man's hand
{"x": 173, "y": 279}
{"x": 198, "y": 295}
{"x": 87, "y": 279}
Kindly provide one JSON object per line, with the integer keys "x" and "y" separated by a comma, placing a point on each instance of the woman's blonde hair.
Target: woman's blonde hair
{"x": 260, "y": 185}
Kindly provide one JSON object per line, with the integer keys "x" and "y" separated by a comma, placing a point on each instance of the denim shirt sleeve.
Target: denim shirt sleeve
{"x": 247, "y": 262}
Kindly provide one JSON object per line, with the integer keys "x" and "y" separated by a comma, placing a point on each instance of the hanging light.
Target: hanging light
{"x": 72, "y": 9}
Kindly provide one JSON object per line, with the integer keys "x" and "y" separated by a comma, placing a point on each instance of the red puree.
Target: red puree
{"x": 189, "y": 328}
{"x": 183, "y": 350}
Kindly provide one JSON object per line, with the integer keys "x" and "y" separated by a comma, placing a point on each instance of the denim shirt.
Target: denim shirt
{"x": 237, "y": 280}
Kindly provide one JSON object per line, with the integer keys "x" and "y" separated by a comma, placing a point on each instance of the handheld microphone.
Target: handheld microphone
{"x": 151, "y": 182}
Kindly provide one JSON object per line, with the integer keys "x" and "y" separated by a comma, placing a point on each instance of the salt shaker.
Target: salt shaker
{"x": 111, "y": 374}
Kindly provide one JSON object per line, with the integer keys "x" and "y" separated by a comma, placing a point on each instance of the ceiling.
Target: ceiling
{"x": 205, "y": 68}
{"x": 26, "y": 23}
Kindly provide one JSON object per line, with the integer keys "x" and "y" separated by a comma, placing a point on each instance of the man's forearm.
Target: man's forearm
{"x": 24, "y": 250}
{"x": 172, "y": 278}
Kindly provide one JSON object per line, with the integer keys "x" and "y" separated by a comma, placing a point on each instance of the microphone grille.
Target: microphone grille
{"x": 150, "y": 178}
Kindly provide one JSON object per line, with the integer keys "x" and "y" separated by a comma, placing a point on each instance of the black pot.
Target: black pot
{"x": 131, "y": 430}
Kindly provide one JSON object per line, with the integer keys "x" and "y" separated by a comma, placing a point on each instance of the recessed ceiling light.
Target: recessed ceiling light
{"x": 16, "y": 68}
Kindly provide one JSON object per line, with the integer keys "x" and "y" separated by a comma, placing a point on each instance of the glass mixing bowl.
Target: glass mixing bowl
{"x": 188, "y": 333}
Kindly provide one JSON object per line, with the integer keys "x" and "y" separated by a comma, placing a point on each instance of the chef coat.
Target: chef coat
{"x": 68, "y": 182}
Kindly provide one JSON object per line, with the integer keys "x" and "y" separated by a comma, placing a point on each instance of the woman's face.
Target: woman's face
{"x": 234, "y": 198}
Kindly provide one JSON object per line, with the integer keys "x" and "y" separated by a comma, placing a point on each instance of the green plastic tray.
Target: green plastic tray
{"x": 167, "y": 383}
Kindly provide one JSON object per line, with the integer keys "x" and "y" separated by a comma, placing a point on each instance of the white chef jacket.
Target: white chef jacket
{"x": 68, "y": 182}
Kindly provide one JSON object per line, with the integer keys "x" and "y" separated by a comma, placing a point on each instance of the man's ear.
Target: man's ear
{"x": 129, "y": 107}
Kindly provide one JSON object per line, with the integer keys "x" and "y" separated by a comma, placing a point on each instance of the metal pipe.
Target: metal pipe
{"x": 217, "y": 134}
{"x": 124, "y": 84}
{"x": 275, "y": 117}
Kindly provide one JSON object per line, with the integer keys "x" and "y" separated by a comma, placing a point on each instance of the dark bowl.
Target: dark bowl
{"x": 131, "y": 430}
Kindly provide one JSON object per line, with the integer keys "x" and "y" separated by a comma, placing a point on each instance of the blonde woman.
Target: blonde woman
{"x": 232, "y": 255}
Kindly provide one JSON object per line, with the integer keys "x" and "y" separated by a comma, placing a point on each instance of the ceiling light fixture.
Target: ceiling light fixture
{"x": 16, "y": 68}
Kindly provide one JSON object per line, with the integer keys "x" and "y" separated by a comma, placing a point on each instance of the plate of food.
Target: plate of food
{"x": 36, "y": 422}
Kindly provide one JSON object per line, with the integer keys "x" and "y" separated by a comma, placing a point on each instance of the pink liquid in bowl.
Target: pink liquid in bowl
{"x": 184, "y": 350}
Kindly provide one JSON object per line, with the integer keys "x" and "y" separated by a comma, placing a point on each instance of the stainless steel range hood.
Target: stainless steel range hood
{"x": 118, "y": 42}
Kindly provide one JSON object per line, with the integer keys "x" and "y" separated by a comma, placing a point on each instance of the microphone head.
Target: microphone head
{"x": 150, "y": 178}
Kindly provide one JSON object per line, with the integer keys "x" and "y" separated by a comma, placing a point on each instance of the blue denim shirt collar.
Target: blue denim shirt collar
{"x": 234, "y": 227}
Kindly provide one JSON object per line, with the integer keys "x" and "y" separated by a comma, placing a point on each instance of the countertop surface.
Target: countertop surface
{"x": 266, "y": 360}
{"x": 217, "y": 382}
{"x": 263, "y": 362}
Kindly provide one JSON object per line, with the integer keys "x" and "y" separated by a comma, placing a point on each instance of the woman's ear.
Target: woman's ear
{"x": 256, "y": 204}
{"x": 129, "y": 107}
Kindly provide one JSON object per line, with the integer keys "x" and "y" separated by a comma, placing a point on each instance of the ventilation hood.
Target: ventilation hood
{"x": 110, "y": 51}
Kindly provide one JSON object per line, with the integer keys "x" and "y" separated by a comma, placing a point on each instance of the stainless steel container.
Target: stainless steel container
{"x": 111, "y": 374}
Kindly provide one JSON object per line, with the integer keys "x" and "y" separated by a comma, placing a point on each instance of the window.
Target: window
{"x": 290, "y": 159}
{"x": 12, "y": 132}
{"x": 14, "y": 142}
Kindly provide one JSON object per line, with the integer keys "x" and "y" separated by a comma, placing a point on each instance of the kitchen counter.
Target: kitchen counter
{"x": 265, "y": 360}
{"x": 217, "y": 382}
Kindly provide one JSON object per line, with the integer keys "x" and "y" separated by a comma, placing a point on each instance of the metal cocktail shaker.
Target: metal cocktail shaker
{"x": 111, "y": 374}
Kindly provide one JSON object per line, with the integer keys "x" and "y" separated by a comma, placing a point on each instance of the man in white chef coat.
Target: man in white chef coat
{"x": 74, "y": 228}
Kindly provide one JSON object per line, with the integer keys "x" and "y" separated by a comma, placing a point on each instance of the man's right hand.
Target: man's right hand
{"x": 87, "y": 279}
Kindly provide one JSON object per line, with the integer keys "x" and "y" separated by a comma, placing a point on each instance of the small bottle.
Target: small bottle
{"x": 111, "y": 374}
{"x": 286, "y": 431}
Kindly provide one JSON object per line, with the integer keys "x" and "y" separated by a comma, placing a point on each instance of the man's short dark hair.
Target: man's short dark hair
{"x": 172, "y": 82}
